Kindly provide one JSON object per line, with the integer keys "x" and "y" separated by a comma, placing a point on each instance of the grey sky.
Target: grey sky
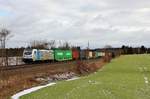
{"x": 101, "y": 22}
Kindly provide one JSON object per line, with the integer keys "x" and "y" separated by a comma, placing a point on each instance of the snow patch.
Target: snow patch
{"x": 75, "y": 78}
{"x": 143, "y": 70}
{"x": 146, "y": 80}
{"x": 16, "y": 96}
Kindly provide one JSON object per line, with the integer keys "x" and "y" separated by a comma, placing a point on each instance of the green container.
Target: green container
{"x": 97, "y": 54}
{"x": 63, "y": 55}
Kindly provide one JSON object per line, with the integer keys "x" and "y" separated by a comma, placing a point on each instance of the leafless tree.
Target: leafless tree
{"x": 39, "y": 44}
{"x": 65, "y": 45}
{"x": 42, "y": 44}
{"x": 4, "y": 36}
{"x": 52, "y": 44}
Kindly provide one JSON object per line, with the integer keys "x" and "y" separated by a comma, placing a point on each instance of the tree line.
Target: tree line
{"x": 135, "y": 50}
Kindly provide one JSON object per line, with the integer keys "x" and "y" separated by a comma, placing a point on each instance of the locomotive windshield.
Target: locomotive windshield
{"x": 28, "y": 53}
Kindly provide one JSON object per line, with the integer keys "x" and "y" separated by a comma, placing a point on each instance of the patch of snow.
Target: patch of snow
{"x": 90, "y": 81}
{"x": 75, "y": 78}
{"x": 16, "y": 96}
{"x": 146, "y": 80}
{"x": 94, "y": 82}
{"x": 144, "y": 69}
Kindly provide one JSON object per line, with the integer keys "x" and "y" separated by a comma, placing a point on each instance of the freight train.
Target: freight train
{"x": 39, "y": 55}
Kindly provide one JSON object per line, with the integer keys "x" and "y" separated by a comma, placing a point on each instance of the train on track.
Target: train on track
{"x": 40, "y": 55}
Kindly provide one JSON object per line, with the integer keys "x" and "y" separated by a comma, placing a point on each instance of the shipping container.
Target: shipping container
{"x": 95, "y": 54}
{"x": 82, "y": 54}
{"x": 43, "y": 55}
{"x": 62, "y": 55}
{"x": 90, "y": 54}
{"x": 86, "y": 54}
{"x": 98, "y": 54}
{"x": 68, "y": 54}
{"x": 47, "y": 55}
{"x": 75, "y": 54}
{"x": 101, "y": 54}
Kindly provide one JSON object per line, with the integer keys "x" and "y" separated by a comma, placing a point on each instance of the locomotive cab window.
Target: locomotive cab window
{"x": 28, "y": 53}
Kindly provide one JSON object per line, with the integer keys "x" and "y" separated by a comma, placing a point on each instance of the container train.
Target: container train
{"x": 39, "y": 55}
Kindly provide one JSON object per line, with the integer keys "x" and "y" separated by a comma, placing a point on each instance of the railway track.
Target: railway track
{"x": 14, "y": 67}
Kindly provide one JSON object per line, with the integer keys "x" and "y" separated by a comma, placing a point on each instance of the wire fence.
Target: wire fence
{"x": 11, "y": 61}
{"x": 10, "y": 57}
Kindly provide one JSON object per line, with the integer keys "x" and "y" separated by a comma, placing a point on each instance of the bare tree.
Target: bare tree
{"x": 65, "y": 45}
{"x": 39, "y": 44}
{"x": 42, "y": 44}
{"x": 52, "y": 44}
{"x": 4, "y": 36}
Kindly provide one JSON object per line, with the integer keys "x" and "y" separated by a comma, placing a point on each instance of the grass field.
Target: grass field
{"x": 124, "y": 78}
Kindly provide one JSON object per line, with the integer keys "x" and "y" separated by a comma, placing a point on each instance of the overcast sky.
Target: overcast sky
{"x": 101, "y": 22}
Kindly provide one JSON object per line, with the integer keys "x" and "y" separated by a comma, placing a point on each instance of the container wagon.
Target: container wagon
{"x": 95, "y": 54}
{"x": 90, "y": 55}
{"x": 62, "y": 55}
{"x": 75, "y": 54}
{"x": 101, "y": 54}
{"x": 82, "y": 54}
{"x": 86, "y": 54}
